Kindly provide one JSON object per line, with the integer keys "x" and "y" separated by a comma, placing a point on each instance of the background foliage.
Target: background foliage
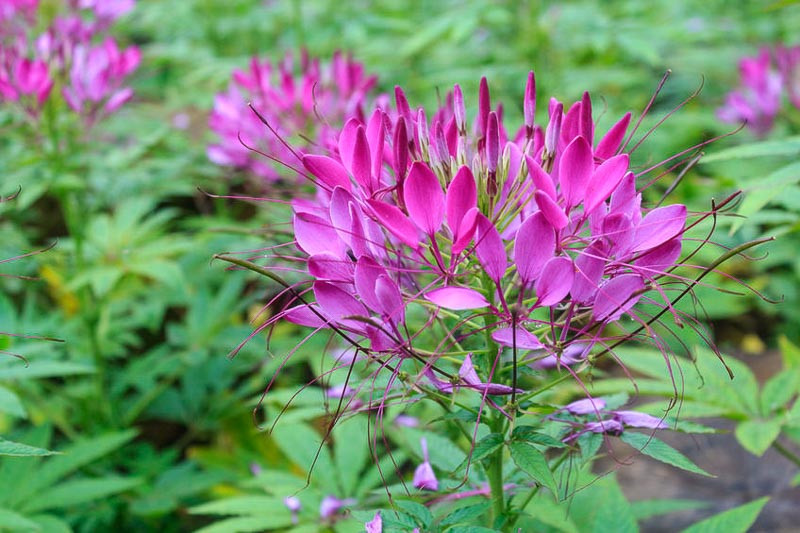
{"x": 153, "y": 421}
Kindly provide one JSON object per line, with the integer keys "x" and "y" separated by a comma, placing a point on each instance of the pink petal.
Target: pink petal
{"x": 466, "y": 230}
{"x": 586, "y": 406}
{"x": 575, "y": 171}
{"x": 551, "y": 210}
{"x": 604, "y": 181}
{"x": 555, "y": 282}
{"x": 640, "y": 420}
{"x": 424, "y": 198}
{"x": 315, "y": 235}
{"x": 618, "y": 231}
{"x": 617, "y": 296}
{"x": 534, "y": 245}
{"x": 457, "y": 298}
{"x": 328, "y": 170}
{"x": 361, "y": 165}
{"x": 367, "y": 271}
{"x": 490, "y": 249}
{"x": 347, "y": 142}
{"x": 541, "y": 179}
{"x": 525, "y": 340}
{"x": 303, "y": 316}
{"x": 339, "y": 304}
{"x": 611, "y": 141}
{"x": 586, "y": 124}
{"x": 396, "y": 222}
{"x": 391, "y": 301}
{"x": 659, "y": 226}
{"x": 462, "y": 195}
{"x": 327, "y": 266}
{"x": 588, "y": 271}
{"x": 658, "y": 260}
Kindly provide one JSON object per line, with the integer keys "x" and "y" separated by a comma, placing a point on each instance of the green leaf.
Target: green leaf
{"x": 77, "y": 492}
{"x": 43, "y": 369}
{"x": 301, "y": 444}
{"x": 351, "y": 451}
{"x": 786, "y": 146}
{"x": 9, "y": 520}
{"x": 533, "y": 462}
{"x": 530, "y": 435}
{"x": 486, "y": 446}
{"x": 644, "y": 509}
{"x": 244, "y": 524}
{"x": 472, "y": 529}
{"x": 465, "y": 514}
{"x": 51, "y": 524}
{"x": 17, "y": 449}
{"x": 74, "y": 457}
{"x": 778, "y": 390}
{"x": 661, "y": 451}
{"x": 736, "y": 520}
{"x": 10, "y": 403}
{"x": 790, "y": 353}
{"x": 245, "y": 506}
{"x": 756, "y": 436}
{"x": 767, "y": 189}
{"x": 421, "y": 513}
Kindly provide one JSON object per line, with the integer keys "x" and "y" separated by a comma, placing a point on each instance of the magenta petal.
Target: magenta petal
{"x": 303, "y": 316}
{"x": 327, "y": 266}
{"x": 541, "y": 179}
{"x": 347, "y": 142}
{"x": 376, "y": 137}
{"x": 586, "y": 406}
{"x": 424, "y": 198}
{"x": 618, "y": 231}
{"x": 640, "y": 420}
{"x": 466, "y": 230}
{"x": 659, "y": 226}
{"x": 586, "y": 123}
{"x": 462, "y": 195}
{"x": 424, "y": 477}
{"x": 361, "y": 165}
{"x": 604, "y": 181}
{"x": 617, "y": 296}
{"x": 575, "y": 170}
{"x": 589, "y": 267}
{"x": 457, "y": 298}
{"x": 490, "y": 249}
{"x": 328, "y": 170}
{"x": 470, "y": 379}
{"x": 396, "y": 222}
{"x": 611, "y": 141}
{"x": 658, "y": 260}
{"x": 388, "y": 294}
{"x": 366, "y": 275}
{"x": 551, "y": 211}
{"x": 555, "y": 282}
{"x": 339, "y": 304}
{"x": 525, "y": 340}
{"x": 375, "y": 525}
{"x": 534, "y": 245}
{"x": 315, "y": 235}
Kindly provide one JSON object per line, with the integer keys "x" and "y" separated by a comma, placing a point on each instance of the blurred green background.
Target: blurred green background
{"x": 156, "y": 417}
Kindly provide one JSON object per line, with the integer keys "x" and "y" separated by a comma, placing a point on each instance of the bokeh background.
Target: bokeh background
{"x": 157, "y": 418}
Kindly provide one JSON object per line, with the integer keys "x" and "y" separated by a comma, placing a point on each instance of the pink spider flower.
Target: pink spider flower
{"x": 97, "y": 76}
{"x": 517, "y": 229}
{"x": 595, "y": 418}
{"x": 758, "y": 99}
{"x": 24, "y": 80}
{"x": 788, "y": 59}
{"x": 424, "y": 477}
{"x": 307, "y": 105}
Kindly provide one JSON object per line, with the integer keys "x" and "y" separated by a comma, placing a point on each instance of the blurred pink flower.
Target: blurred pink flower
{"x": 758, "y": 98}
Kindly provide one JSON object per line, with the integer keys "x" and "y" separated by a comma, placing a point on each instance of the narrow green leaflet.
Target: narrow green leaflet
{"x": 767, "y": 189}
{"x": 17, "y": 449}
{"x": 242, "y": 524}
{"x": 421, "y": 514}
{"x": 9, "y": 520}
{"x": 486, "y": 446}
{"x": 661, "y": 451}
{"x": 786, "y": 146}
{"x": 779, "y": 389}
{"x": 756, "y": 436}
{"x": 465, "y": 514}
{"x": 77, "y": 492}
{"x": 10, "y": 403}
{"x": 736, "y": 520}
{"x": 533, "y": 462}
{"x": 644, "y": 509}
{"x": 244, "y": 506}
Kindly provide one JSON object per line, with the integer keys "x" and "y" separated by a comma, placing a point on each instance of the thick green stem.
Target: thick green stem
{"x": 494, "y": 471}
{"x": 784, "y": 451}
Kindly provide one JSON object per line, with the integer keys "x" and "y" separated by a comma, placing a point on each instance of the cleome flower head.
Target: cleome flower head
{"x": 764, "y": 78}
{"x": 533, "y": 241}
{"x": 313, "y": 101}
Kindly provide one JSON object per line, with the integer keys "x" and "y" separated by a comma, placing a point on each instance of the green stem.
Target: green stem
{"x": 495, "y": 474}
{"x": 784, "y": 451}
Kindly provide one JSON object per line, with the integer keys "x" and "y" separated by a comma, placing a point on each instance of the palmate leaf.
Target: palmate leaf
{"x": 736, "y": 520}
{"x": 661, "y": 451}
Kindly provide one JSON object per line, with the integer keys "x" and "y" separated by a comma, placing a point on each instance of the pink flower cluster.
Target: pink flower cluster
{"x": 541, "y": 234}
{"x": 764, "y": 78}
{"x": 307, "y": 106}
{"x": 92, "y": 76}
